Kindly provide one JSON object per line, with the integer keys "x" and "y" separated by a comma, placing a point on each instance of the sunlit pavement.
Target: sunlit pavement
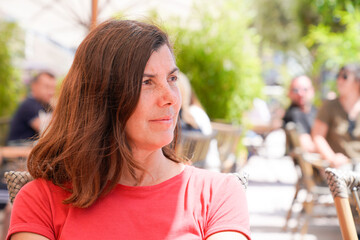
{"x": 270, "y": 192}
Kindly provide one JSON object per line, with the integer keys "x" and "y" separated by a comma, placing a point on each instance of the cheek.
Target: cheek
{"x": 178, "y": 99}
{"x": 178, "y": 105}
{"x": 356, "y": 85}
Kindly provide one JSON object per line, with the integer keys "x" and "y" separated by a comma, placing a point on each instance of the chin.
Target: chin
{"x": 165, "y": 140}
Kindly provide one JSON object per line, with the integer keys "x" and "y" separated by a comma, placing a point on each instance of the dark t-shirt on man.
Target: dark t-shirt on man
{"x": 20, "y": 128}
{"x": 303, "y": 121}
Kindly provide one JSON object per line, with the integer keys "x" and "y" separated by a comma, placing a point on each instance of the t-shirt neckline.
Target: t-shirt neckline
{"x": 183, "y": 174}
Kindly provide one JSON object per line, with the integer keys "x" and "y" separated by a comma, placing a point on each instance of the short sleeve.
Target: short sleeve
{"x": 32, "y": 211}
{"x": 325, "y": 114}
{"x": 228, "y": 210}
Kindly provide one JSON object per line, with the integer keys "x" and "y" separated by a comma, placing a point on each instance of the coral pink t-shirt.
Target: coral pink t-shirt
{"x": 192, "y": 205}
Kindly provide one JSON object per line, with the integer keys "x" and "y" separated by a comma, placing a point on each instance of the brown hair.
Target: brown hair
{"x": 85, "y": 148}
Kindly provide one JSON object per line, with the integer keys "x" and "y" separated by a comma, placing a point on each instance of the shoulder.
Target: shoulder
{"x": 198, "y": 112}
{"x": 214, "y": 180}
{"x": 327, "y": 103}
{"x": 30, "y": 101}
{"x": 223, "y": 199}
{"x": 327, "y": 108}
{"x": 40, "y": 190}
{"x": 38, "y": 183}
{"x": 39, "y": 208}
{"x": 216, "y": 187}
{"x": 292, "y": 114}
{"x": 30, "y": 105}
{"x": 293, "y": 109}
{"x": 201, "y": 118}
{"x": 313, "y": 109}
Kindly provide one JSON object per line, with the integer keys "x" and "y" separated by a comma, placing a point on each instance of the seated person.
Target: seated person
{"x": 336, "y": 130}
{"x": 194, "y": 118}
{"x": 26, "y": 124}
{"x": 301, "y": 110}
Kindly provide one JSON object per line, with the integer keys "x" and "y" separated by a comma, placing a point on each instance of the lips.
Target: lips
{"x": 162, "y": 119}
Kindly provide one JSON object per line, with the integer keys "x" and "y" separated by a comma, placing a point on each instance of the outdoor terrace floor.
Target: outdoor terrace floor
{"x": 270, "y": 192}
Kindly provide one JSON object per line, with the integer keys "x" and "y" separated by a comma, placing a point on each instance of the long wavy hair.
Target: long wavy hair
{"x": 84, "y": 149}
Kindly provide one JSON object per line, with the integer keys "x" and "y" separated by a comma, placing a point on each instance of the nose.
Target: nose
{"x": 302, "y": 93}
{"x": 168, "y": 95}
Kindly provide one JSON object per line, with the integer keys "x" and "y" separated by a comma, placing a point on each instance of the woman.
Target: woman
{"x": 104, "y": 168}
{"x": 336, "y": 131}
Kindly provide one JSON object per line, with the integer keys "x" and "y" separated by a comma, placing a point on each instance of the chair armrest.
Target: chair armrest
{"x": 15, "y": 180}
{"x": 243, "y": 178}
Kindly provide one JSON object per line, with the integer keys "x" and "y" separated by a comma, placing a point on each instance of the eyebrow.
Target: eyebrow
{"x": 152, "y": 75}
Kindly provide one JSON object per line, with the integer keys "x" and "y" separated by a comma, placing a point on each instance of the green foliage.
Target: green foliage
{"x": 276, "y": 21}
{"x": 328, "y": 11}
{"x": 217, "y": 50}
{"x": 9, "y": 77}
{"x": 282, "y": 24}
{"x": 324, "y": 12}
{"x": 333, "y": 49}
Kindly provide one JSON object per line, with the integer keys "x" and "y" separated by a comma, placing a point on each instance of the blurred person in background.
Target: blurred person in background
{"x": 27, "y": 122}
{"x": 336, "y": 130}
{"x": 194, "y": 118}
{"x": 301, "y": 110}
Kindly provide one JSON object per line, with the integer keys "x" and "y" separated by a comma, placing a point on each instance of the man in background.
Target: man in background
{"x": 301, "y": 110}
{"x": 26, "y": 123}
{"x": 25, "y": 127}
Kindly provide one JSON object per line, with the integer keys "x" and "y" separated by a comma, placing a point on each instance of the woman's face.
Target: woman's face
{"x": 152, "y": 124}
{"x": 346, "y": 83}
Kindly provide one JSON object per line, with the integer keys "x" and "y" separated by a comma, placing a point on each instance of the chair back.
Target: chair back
{"x": 310, "y": 178}
{"x": 228, "y": 137}
{"x": 193, "y": 145}
{"x": 298, "y": 156}
{"x": 15, "y": 180}
{"x": 340, "y": 184}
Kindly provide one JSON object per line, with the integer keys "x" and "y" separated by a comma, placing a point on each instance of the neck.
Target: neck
{"x": 304, "y": 108}
{"x": 351, "y": 104}
{"x": 349, "y": 100}
{"x": 157, "y": 168}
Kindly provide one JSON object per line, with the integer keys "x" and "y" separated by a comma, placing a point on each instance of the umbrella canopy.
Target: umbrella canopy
{"x": 54, "y": 28}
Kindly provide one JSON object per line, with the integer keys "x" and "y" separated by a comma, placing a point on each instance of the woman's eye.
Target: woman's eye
{"x": 173, "y": 78}
{"x": 146, "y": 82}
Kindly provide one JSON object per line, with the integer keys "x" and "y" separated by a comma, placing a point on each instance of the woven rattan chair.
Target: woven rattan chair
{"x": 243, "y": 178}
{"x": 228, "y": 137}
{"x": 341, "y": 183}
{"x": 15, "y": 180}
{"x": 308, "y": 181}
{"x": 194, "y": 146}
